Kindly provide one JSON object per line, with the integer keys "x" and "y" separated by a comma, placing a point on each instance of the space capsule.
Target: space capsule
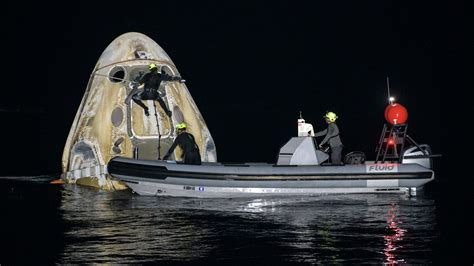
{"x": 108, "y": 124}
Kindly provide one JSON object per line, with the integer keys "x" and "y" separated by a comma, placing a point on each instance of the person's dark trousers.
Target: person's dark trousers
{"x": 163, "y": 105}
{"x": 192, "y": 158}
{"x": 137, "y": 99}
{"x": 336, "y": 153}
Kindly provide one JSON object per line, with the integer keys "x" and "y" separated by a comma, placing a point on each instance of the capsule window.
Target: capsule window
{"x": 167, "y": 70}
{"x": 178, "y": 115}
{"x": 117, "y": 74}
{"x": 117, "y": 116}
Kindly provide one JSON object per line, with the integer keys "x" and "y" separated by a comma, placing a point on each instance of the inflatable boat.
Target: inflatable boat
{"x": 300, "y": 170}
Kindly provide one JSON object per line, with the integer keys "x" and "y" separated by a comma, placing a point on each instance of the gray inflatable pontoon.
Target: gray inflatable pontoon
{"x": 298, "y": 171}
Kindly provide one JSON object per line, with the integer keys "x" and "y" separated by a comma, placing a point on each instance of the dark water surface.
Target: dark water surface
{"x": 44, "y": 223}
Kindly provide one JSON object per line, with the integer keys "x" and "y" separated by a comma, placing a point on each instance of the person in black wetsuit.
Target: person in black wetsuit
{"x": 152, "y": 81}
{"x": 187, "y": 143}
{"x": 332, "y": 137}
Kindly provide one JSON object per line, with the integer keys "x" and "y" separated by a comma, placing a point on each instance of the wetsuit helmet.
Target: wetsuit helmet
{"x": 152, "y": 67}
{"x": 330, "y": 116}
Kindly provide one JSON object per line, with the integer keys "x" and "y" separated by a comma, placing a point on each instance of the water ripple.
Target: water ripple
{"x": 120, "y": 227}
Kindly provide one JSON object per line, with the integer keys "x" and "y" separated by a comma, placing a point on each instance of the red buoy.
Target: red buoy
{"x": 396, "y": 114}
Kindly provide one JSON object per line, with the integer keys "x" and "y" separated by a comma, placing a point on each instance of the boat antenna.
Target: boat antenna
{"x": 390, "y": 98}
{"x": 301, "y": 115}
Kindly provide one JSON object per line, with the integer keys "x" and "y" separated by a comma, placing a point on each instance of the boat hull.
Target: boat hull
{"x": 159, "y": 178}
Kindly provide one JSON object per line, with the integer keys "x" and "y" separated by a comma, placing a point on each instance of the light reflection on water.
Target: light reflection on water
{"x": 394, "y": 236}
{"x": 121, "y": 227}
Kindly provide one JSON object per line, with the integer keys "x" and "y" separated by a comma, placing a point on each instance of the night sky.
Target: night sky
{"x": 250, "y": 67}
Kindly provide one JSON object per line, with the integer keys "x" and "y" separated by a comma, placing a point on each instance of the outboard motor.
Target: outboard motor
{"x": 419, "y": 154}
